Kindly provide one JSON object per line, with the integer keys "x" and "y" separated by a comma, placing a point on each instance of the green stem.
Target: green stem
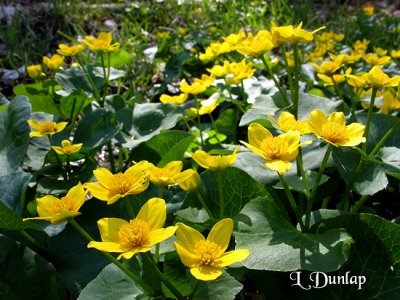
{"x": 299, "y": 160}
{"x": 295, "y": 96}
{"x": 95, "y": 91}
{"x": 196, "y": 102}
{"x": 29, "y": 238}
{"x": 369, "y": 116}
{"x": 111, "y": 258}
{"x": 292, "y": 201}
{"x": 281, "y": 90}
{"x": 237, "y": 103}
{"x": 147, "y": 256}
{"x": 215, "y": 128}
{"x": 316, "y": 184}
{"x": 384, "y": 138}
{"x": 194, "y": 289}
{"x": 221, "y": 195}
{"x": 58, "y": 158}
{"x": 128, "y": 207}
{"x": 111, "y": 157}
{"x": 204, "y": 205}
{"x": 358, "y": 204}
{"x": 105, "y": 76}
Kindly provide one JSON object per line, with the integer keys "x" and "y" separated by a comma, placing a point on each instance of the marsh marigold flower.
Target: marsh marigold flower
{"x": 390, "y": 102}
{"x": 67, "y": 148}
{"x": 35, "y": 71}
{"x": 214, "y": 162}
{"x": 165, "y": 175}
{"x": 368, "y": 10}
{"x": 287, "y": 121}
{"x": 45, "y": 128}
{"x": 206, "y": 107}
{"x": 333, "y": 129}
{"x": 137, "y": 235}
{"x": 256, "y": 45}
{"x": 179, "y": 99}
{"x": 207, "y": 257}
{"x": 373, "y": 59}
{"x": 376, "y": 78}
{"x": 292, "y": 35}
{"x": 101, "y": 43}
{"x": 53, "y": 63}
{"x": 188, "y": 180}
{"x": 198, "y": 86}
{"x": 111, "y": 187}
{"x": 69, "y": 50}
{"x": 56, "y": 210}
{"x": 277, "y": 151}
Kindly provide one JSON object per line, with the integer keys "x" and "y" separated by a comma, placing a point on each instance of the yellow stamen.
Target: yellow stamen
{"x": 47, "y": 127}
{"x": 65, "y": 204}
{"x": 134, "y": 234}
{"x": 274, "y": 147}
{"x": 207, "y": 253}
{"x": 334, "y": 132}
{"x": 121, "y": 184}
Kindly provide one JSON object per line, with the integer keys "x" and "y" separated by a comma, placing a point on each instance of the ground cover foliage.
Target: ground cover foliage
{"x": 199, "y": 150}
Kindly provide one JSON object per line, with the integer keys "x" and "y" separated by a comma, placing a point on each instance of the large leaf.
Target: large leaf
{"x": 26, "y": 275}
{"x": 275, "y": 244}
{"x": 237, "y": 186}
{"x": 167, "y": 146}
{"x": 111, "y": 283}
{"x": 175, "y": 271}
{"x": 118, "y": 59}
{"x": 14, "y": 134}
{"x": 149, "y": 119}
{"x": 96, "y": 128}
{"x": 39, "y": 97}
{"x": 11, "y": 221}
{"x": 12, "y": 187}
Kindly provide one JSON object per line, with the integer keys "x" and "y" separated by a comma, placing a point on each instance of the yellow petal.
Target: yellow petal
{"x": 44, "y": 204}
{"x": 234, "y": 256}
{"x": 159, "y": 235}
{"x": 254, "y": 149}
{"x": 63, "y": 216}
{"x": 104, "y": 176}
{"x": 293, "y": 139}
{"x": 58, "y": 150}
{"x": 109, "y": 228}
{"x": 278, "y": 165}
{"x": 202, "y": 158}
{"x": 206, "y": 273}
{"x": 337, "y": 117}
{"x": 38, "y": 218}
{"x": 34, "y": 124}
{"x": 60, "y": 126}
{"x": 78, "y": 194}
{"x": 187, "y": 237}
{"x": 154, "y": 213}
{"x": 257, "y": 133}
{"x": 188, "y": 258}
{"x": 221, "y": 233}
{"x": 174, "y": 167}
{"x": 106, "y": 246}
{"x": 130, "y": 253}
{"x": 99, "y": 192}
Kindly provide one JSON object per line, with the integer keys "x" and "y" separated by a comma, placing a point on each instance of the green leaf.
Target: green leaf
{"x": 193, "y": 214}
{"x": 175, "y": 271}
{"x": 114, "y": 73}
{"x": 149, "y": 119}
{"x": 75, "y": 80}
{"x": 371, "y": 179}
{"x": 118, "y": 59}
{"x": 296, "y": 182}
{"x": 96, "y": 128}
{"x": 39, "y": 97}
{"x": 14, "y": 134}
{"x": 26, "y": 275}
{"x": 12, "y": 187}
{"x": 11, "y": 221}
{"x": 111, "y": 283}
{"x": 391, "y": 158}
{"x": 346, "y": 161}
{"x": 36, "y": 154}
{"x": 238, "y": 189}
{"x": 276, "y": 245}
{"x": 167, "y": 146}
{"x": 224, "y": 287}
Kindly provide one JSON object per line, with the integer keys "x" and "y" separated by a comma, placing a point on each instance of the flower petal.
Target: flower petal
{"x": 98, "y": 191}
{"x": 221, "y": 233}
{"x": 278, "y": 165}
{"x": 202, "y": 158}
{"x": 78, "y": 194}
{"x": 44, "y": 204}
{"x": 254, "y": 149}
{"x": 257, "y": 133}
{"x": 109, "y": 228}
{"x": 130, "y": 253}
{"x": 187, "y": 237}
{"x": 154, "y": 213}
{"x": 104, "y": 176}
{"x": 233, "y": 256}
{"x": 188, "y": 258}
{"x": 337, "y": 117}
{"x": 206, "y": 273}
{"x": 105, "y": 246}
{"x": 159, "y": 235}
{"x": 63, "y": 216}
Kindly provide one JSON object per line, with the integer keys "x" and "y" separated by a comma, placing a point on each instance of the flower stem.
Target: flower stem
{"x": 196, "y": 102}
{"x": 204, "y": 205}
{"x": 295, "y": 96}
{"x": 221, "y": 195}
{"x": 384, "y": 138}
{"x": 316, "y": 184}
{"x": 299, "y": 160}
{"x": 112, "y": 259}
{"x": 147, "y": 256}
{"x": 29, "y": 238}
{"x": 292, "y": 201}
{"x": 369, "y": 116}
{"x": 58, "y": 159}
{"x": 128, "y": 207}
{"x": 111, "y": 156}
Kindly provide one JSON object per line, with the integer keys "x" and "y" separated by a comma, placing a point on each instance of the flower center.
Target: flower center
{"x": 65, "y": 204}
{"x": 334, "y": 132}
{"x": 274, "y": 147}
{"x": 47, "y": 127}
{"x": 134, "y": 234}
{"x": 121, "y": 184}
{"x": 207, "y": 252}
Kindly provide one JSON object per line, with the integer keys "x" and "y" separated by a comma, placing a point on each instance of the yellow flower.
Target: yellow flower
{"x": 163, "y": 35}
{"x": 291, "y": 35}
{"x": 376, "y": 78}
{"x": 188, "y": 180}
{"x": 235, "y": 72}
{"x": 368, "y": 10}
{"x": 277, "y": 151}
{"x": 212, "y": 52}
{"x": 53, "y": 63}
{"x": 374, "y": 59}
{"x": 390, "y": 102}
{"x": 207, "y": 257}
{"x": 112, "y": 187}
{"x": 198, "y": 86}
{"x": 182, "y": 31}
{"x": 256, "y": 45}
{"x": 220, "y": 70}
{"x": 328, "y": 67}
{"x": 67, "y": 147}
{"x": 380, "y": 52}
{"x": 333, "y": 129}
{"x": 45, "y": 128}
{"x": 69, "y": 50}
{"x": 360, "y": 47}
{"x": 56, "y": 210}
{"x": 165, "y": 175}
{"x": 287, "y": 121}
{"x": 102, "y": 43}
{"x": 179, "y": 99}
{"x": 214, "y": 162}
{"x": 346, "y": 58}
{"x": 206, "y": 107}
{"x": 137, "y": 235}
{"x": 35, "y": 71}
{"x": 395, "y": 53}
